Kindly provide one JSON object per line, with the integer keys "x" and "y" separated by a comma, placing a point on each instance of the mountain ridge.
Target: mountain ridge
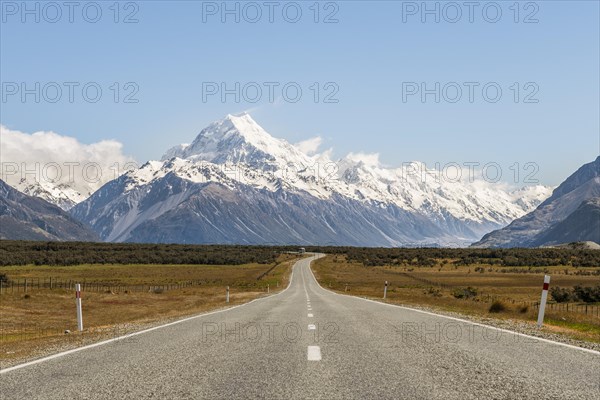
{"x": 553, "y": 215}
{"x": 246, "y": 163}
{"x": 24, "y": 217}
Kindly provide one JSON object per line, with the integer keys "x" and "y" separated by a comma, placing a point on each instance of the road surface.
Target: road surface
{"x": 309, "y": 343}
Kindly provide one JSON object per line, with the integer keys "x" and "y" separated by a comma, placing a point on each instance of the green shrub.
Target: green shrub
{"x": 587, "y": 294}
{"x": 434, "y": 292}
{"x": 561, "y": 295}
{"x": 464, "y": 293}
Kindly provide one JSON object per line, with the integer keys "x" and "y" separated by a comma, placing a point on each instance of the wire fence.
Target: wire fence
{"x": 32, "y": 284}
{"x": 583, "y": 308}
{"x": 587, "y": 309}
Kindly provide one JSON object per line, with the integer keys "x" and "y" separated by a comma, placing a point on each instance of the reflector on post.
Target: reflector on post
{"x": 78, "y": 303}
{"x": 540, "y": 320}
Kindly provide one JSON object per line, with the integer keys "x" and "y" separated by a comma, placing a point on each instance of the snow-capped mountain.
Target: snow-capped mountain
{"x": 58, "y": 168}
{"x": 235, "y": 183}
{"x": 571, "y": 214}
{"x": 238, "y": 139}
{"x": 24, "y": 217}
{"x": 61, "y": 194}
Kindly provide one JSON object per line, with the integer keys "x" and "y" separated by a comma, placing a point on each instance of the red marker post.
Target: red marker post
{"x": 78, "y": 302}
{"x": 540, "y": 320}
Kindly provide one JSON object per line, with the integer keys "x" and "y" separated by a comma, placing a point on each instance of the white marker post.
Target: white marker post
{"x": 78, "y": 302}
{"x": 227, "y": 294}
{"x": 543, "y": 301}
{"x": 385, "y": 289}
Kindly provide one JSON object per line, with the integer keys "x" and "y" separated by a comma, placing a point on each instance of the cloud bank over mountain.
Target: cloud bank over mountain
{"x": 49, "y": 165}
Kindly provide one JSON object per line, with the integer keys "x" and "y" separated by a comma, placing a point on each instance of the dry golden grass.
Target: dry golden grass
{"x": 31, "y": 322}
{"x": 417, "y": 286}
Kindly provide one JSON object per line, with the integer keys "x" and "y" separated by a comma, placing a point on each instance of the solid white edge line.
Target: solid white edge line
{"x": 570, "y": 346}
{"x": 97, "y": 344}
{"x": 313, "y": 353}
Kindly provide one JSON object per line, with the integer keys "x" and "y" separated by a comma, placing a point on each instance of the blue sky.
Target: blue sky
{"x": 373, "y": 54}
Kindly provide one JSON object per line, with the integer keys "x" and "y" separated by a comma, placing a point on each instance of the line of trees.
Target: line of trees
{"x": 74, "y": 253}
{"x": 426, "y": 257}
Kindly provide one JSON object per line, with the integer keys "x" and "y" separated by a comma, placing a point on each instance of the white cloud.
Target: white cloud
{"x": 310, "y": 146}
{"x": 54, "y": 160}
{"x": 369, "y": 159}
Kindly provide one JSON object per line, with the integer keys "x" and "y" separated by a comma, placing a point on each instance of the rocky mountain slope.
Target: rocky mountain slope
{"x": 235, "y": 183}
{"x": 24, "y": 217}
{"x": 569, "y": 215}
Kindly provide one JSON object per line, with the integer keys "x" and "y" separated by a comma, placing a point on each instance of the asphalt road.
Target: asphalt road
{"x": 309, "y": 343}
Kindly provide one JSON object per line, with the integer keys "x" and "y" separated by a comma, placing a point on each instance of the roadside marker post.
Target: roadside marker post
{"x": 268, "y": 289}
{"x": 385, "y": 289}
{"x": 78, "y": 302}
{"x": 227, "y": 294}
{"x": 540, "y": 320}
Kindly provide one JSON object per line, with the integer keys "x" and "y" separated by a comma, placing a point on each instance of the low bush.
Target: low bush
{"x": 434, "y": 292}
{"x": 465, "y": 293}
{"x": 561, "y": 295}
{"x": 523, "y": 309}
{"x": 586, "y": 294}
{"x": 497, "y": 307}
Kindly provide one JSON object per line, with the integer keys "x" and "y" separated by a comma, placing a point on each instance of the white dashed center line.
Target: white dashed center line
{"x": 312, "y": 327}
{"x": 310, "y": 315}
{"x": 314, "y": 353}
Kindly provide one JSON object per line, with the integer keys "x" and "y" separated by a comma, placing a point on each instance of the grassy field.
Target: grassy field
{"x": 34, "y": 321}
{"x": 438, "y": 285}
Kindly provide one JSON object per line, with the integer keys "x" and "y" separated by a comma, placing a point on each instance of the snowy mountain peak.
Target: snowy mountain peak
{"x": 238, "y": 139}
{"x": 235, "y": 175}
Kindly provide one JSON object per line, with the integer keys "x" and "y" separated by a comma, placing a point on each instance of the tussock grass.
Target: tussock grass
{"x": 33, "y": 321}
{"x": 436, "y": 287}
